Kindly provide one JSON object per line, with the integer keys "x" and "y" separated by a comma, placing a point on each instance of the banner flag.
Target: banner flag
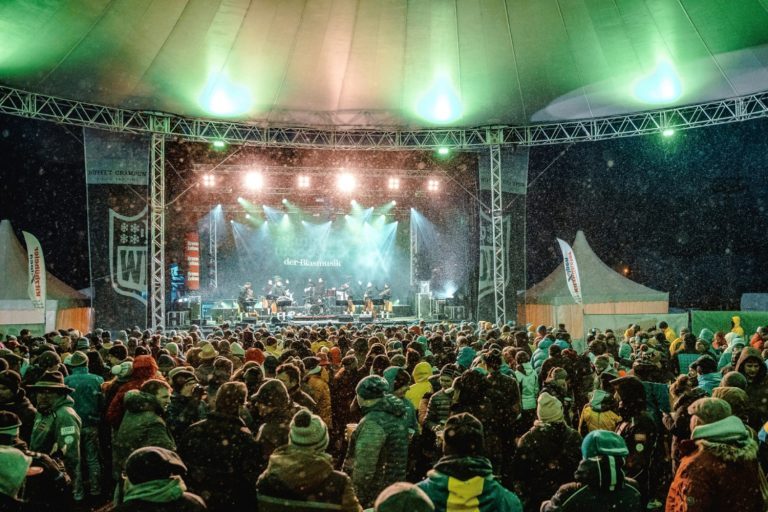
{"x": 117, "y": 179}
{"x": 36, "y": 266}
{"x": 192, "y": 256}
{"x": 571, "y": 271}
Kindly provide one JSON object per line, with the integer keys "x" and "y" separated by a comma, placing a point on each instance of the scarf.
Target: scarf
{"x": 155, "y": 491}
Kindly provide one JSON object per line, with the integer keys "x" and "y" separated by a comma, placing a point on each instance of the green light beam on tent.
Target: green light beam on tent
{"x": 661, "y": 86}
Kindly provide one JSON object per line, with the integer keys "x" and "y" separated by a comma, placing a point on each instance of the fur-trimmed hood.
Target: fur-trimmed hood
{"x": 727, "y": 439}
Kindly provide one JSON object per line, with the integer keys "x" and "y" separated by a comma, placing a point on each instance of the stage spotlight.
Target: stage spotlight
{"x": 219, "y": 144}
{"x": 239, "y": 199}
{"x": 353, "y": 202}
{"x": 247, "y": 215}
{"x": 443, "y": 151}
{"x": 433, "y": 185}
{"x": 285, "y": 201}
{"x": 208, "y": 180}
{"x": 668, "y": 132}
{"x": 346, "y": 182}
{"x": 393, "y": 183}
{"x": 394, "y": 203}
{"x": 253, "y": 181}
{"x": 303, "y": 181}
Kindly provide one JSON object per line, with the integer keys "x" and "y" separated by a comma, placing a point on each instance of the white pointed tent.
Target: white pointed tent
{"x": 65, "y": 307}
{"x": 604, "y": 292}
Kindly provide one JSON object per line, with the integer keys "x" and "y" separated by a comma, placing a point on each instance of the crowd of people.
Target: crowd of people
{"x": 420, "y": 417}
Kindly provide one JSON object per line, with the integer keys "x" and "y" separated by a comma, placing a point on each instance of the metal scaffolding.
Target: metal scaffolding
{"x": 497, "y": 232}
{"x": 37, "y": 106}
{"x": 157, "y": 232}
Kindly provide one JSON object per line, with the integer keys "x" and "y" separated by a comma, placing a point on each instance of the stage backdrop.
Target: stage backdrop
{"x": 117, "y": 170}
{"x": 514, "y": 182}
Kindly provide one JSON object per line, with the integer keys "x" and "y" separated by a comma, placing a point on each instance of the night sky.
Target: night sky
{"x": 685, "y": 214}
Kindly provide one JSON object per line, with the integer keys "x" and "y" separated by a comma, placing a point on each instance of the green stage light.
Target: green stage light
{"x": 661, "y": 86}
{"x": 440, "y": 104}
{"x": 668, "y": 132}
{"x": 443, "y": 151}
{"x": 219, "y": 144}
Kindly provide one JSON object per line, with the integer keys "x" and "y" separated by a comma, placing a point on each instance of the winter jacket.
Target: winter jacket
{"x": 87, "y": 396}
{"x": 303, "y": 399}
{"x": 378, "y": 449}
{"x": 546, "y": 457}
{"x": 342, "y": 396}
{"x": 529, "y": 386}
{"x": 683, "y": 360}
{"x": 541, "y": 354}
{"x": 23, "y": 408}
{"x": 223, "y": 462}
{"x": 142, "y": 425}
{"x": 182, "y": 412}
{"x": 144, "y": 369}
{"x": 599, "y": 414}
{"x": 600, "y": 486}
{"x": 296, "y": 479}
{"x": 757, "y": 390}
{"x": 320, "y": 392}
{"x": 467, "y": 483}
{"x": 438, "y": 410}
{"x": 187, "y": 503}
{"x": 421, "y": 386}
{"x": 59, "y": 428}
{"x": 722, "y": 474}
{"x": 737, "y": 328}
{"x": 273, "y": 432}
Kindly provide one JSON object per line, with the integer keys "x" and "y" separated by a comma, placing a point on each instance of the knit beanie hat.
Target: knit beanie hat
{"x": 549, "y": 409}
{"x": 83, "y": 344}
{"x": 403, "y": 496}
{"x": 77, "y": 359}
{"x": 710, "y": 410}
{"x": 166, "y": 363}
{"x": 308, "y": 431}
{"x": 9, "y": 424}
{"x": 11, "y": 380}
{"x": 397, "y": 377}
{"x": 463, "y": 436}
{"x": 706, "y": 335}
{"x": 603, "y": 442}
{"x": 735, "y": 380}
{"x": 13, "y": 470}
{"x": 237, "y": 349}
{"x": 372, "y": 387}
{"x": 153, "y": 463}
{"x": 172, "y": 348}
{"x": 449, "y": 370}
{"x": 123, "y": 369}
{"x": 273, "y": 393}
{"x": 465, "y": 357}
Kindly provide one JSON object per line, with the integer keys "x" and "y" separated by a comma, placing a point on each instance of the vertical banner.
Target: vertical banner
{"x": 571, "y": 271}
{"x": 36, "y": 274}
{"x": 192, "y": 257}
{"x": 117, "y": 179}
{"x": 514, "y": 185}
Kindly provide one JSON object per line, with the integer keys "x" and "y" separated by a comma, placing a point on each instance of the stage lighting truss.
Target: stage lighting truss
{"x": 433, "y": 185}
{"x": 303, "y": 181}
{"x": 209, "y": 180}
{"x": 254, "y": 181}
{"x": 393, "y": 183}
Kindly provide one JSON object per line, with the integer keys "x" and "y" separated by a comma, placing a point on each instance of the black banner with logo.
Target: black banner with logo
{"x": 117, "y": 180}
{"x": 514, "y": 182}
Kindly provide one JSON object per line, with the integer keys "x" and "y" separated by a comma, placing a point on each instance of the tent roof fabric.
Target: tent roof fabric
{"x": 14, "y": 272}
{"x": 386, "y": 63}
{"x": 599, "y": 282}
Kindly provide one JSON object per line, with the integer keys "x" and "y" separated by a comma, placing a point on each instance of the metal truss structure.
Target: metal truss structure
{"x": 213, "y": 251}
{"x": 157, "y": 233}
{"x": 497, "y": 232}
{"x": 37, "y": 106}
{"x": 162, "y": 125}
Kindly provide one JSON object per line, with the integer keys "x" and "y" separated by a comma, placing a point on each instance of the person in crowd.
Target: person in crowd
{"x": 275, "y": 409}
{"x": 678, "y": 422}
{"x": 556, "y": 384}
{"x": 57, "y": 425}
{"x": 143, "y": 423}
{"x": 721, "y": 472}
{"x": 187, "y": 404}
{"x": 600, "y": 484}
{"x": 378, "y": 449}
{"x": 752, "y": 366}
{"x": 153, "y": 482}
{"x": 504, "y": 394}
{"x": 403, "y": 496}
{"x": 687, "y": 354}
{"x": 463, "y": 477}
{"x": 290, "y": 375}
{"x": 439, "y": 404}
{"x": 421, "y": 384}
{"x": 222, "y": 455}
{"x": 707, "y": 376}
{"x": 528, "y": 380}
{"x": 601, "y": 411}
{"x": 300, "y": 474}
{"x": 142, "y": 369}
{"x": 639, "y": 432}
{"x": 14, "y": 465}
{"x": 318, "y": 389}
{"x": 547, "y": 455}
{"x": 88, "y": 405}
{"x": 207, "y": 356}
{"x": 14, "y": 399}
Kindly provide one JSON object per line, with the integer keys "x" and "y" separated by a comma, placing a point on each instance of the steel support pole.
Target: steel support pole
{"x": 157, "y": 233}
{"x": 497, "y": 230}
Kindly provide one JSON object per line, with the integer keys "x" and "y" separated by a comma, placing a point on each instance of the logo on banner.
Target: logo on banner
{"x": 571, "y": 271}
{"x": 128, "y": 254}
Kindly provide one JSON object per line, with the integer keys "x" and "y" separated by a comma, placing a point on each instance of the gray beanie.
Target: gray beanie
{"x": 308, "y": 431}
{"x": 403, "y": 496}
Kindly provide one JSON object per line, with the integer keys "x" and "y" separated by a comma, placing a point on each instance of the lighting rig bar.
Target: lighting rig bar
{"x": 38, "y": 106}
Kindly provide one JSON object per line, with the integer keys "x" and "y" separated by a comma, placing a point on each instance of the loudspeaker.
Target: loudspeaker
{"x": 345, "y": 318}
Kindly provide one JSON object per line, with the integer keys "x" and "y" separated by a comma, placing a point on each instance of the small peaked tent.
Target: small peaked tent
{"x": 604, "y": 292}
{"x": 65, "y": 307}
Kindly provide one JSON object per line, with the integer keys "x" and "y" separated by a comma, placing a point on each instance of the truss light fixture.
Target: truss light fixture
{"x": 303, "y": 181}
{"x": 219, "y": 144}
{"x": 393, "y": 183}
{"x": 253, "y": 181}
{"x": 433, "y": 185}
{"x": 209, "y": 180}
{"x": 443, "y": 151}
{"x": 346, "y": 182}
{"x": 668, "y": 132}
